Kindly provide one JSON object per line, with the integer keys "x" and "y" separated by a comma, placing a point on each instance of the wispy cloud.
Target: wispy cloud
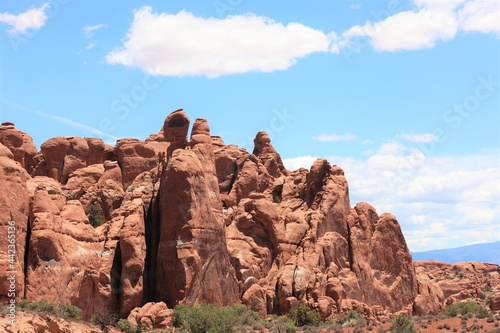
{"x": 86, "y": 128}
{"x": 91, "y": 29}
{"x": 90, "y": 46}
{"x": 32, "y": 19}
{"x": 335, "y": 137}
{"x": 89, "y": 130}
{"x": 420, "y": 138}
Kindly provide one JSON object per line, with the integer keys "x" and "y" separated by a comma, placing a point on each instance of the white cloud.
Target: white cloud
{"x": 431, "y": 21}
{"x": 334, "y": 137}
{"x": 440, "y": 202}
{"x": 32, "y": 19}
{"x": 422, "y": 138}
{"x": 91, "y": 29}
{"x": 183, "y": 44}
{"x": 480, "y": 16}
{"x": 90, "y": 46}
{"x": 299, "y": 162}
{"x": 407, "y": 30}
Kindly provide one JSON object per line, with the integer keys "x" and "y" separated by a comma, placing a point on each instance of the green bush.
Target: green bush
{"x": 126, "y": 326}
{"x": 352, "y": 318}
{"x": 303, "y": 315}
{"x": 70, "y": 312}
{"x": 465, "y": 308}
{"x": 402, "y": 324}
{"x": 48, "y": 308}
{"x": 42, "y": 307}
{"x": 205, "y": 318}
{"x": 284, "y": 325}
{"x": 94, "y": 214}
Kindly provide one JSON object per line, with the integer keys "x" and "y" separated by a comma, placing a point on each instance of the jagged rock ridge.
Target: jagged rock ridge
{"x": 191, "y": 221}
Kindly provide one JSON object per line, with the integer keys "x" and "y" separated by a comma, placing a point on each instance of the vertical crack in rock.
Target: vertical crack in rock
{"x": 349, "y": 247}
{"x": 26, "y": 254}
{"x": 116, "y": 278}
{"x": 152, "y": 235}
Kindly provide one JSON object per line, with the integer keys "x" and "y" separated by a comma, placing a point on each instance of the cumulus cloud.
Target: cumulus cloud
{"x": 407, "y": 30}
{"x": 430, "y": 22}
{"x": 334, "y": 137}
{"x": 91, "y": 29}
{"x": 32, "y": 19}
{"x": 183, "y": 44}
{"x": 440, "y": 202}
{"x": 480, "y": 16}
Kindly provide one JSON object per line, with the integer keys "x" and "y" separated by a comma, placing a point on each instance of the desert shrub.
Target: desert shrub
{"x": 310, "y": 329}
{"x": 42, "y": 307}
{"x": 303, "y": 315}
{"x": 105, "y": 320}
{"x": 208, "y": 318}
{"x": 45, "y": 308}
{"x": 94, "y": 214}
{"x": 380, "y": 329}
{"x": 488, "y": 289}
{"x": 351, "y": 318}
{"x": 464, "y": 308}
{"x": 70, "y": 312}
{"x": 402, "y": 324}
{"x": 126, "y": 326}
{"x": 284, "y": 325}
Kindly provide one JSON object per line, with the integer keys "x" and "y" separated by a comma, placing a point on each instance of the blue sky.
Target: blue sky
{"x": 404, "y": 95}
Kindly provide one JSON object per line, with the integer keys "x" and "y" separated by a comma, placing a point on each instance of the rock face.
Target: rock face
{"x": 14, "y": 210}
{"x": 193, "y": 221}
{"x": 192, "y": 244}
{"x": 461, "y": 281}
{"x": 20, "y": 144}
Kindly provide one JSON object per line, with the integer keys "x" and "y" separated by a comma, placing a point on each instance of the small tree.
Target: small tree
{"x": 303, "y": 315}
{"x": 402, "y": 324}
{"x": 94, "y": 214}
{"x": 105, "y": 320}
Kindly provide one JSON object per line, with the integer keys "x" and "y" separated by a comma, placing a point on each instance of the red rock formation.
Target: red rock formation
{"x": 198, "y": 221}
{"x": 20, "y": 144}
{"x": 13, "y": 225}
{"x": 192, "y": 239}
{"x": 152, "y": 315}
{"x": 461, "y": 281}
{"x": 134, "y": 157}
{"x": 175, "y": 130}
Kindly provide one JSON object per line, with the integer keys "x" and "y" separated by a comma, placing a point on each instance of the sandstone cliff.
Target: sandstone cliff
{"x": 192, "y": 221}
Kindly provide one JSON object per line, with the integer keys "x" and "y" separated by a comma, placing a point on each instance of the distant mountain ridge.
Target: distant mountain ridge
{"x": 485, "y": 252}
